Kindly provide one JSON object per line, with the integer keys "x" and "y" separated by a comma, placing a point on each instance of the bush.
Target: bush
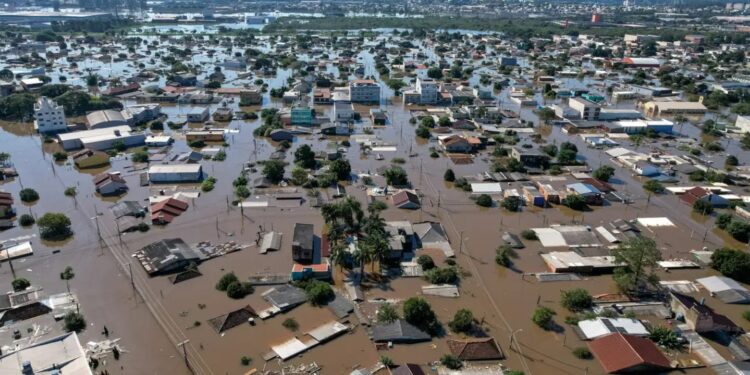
{"x": 732, "y": 263}
{"x": 723, "y": 220}
{"x": 54, "y": 226}
{"x": 60, "y": 156}
{"x": 20, "y": 284}
{"x": 484, "y": 200}
{"x": 245, "y": 360}
{"x": 74, "y": 322}
{"x": 582, "y": 353}
{"x": 703, "y": 207}
{"x": 604, "y": 173}
{"x": 439, "y": 275}
{"x": 140, "y": 157}
{"x": 225, "y": 280}
{"x": 387, "y": 313}
{"x": 396, "y": 176}
{"x": 449, "y": 175}
{"x": 529, "y": 234}
{"x": 319, "y": 292}
{"x": 451, "y": 362}
{"x": 462, "y": 321}
{"x": 511, "y": 204}
{"x": 576, "y": 299}
{"x": 208, "y": 184}
{"x": 290, "y": 324}
{"x": 28, "y": 195}
{"x": 543, "y": 316}
{"x": 503, "y": 255}
{"x": 26, "y": 220}
{"x": 653, "y": 186}
{"x": 665, "y": 337}
{"x": 238, "y": 290}
{"x": 386, "y": 361}
{"x": 197, "y": 144}
{"x": 426, "y": 262}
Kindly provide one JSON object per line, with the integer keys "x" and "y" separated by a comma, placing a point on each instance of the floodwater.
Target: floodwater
{"x": 502, "y": 299}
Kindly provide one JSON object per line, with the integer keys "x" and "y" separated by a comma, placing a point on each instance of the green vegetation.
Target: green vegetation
{"x": 70, "y": 192}
{"x": 396, "y": 176}
{"x": 576, "y": 299}
{"x": 78, "y": 103}
{"x": 387, "y": 313}
{"x": 419, "y": 313}
{"x": 529, "y": 234}
{"x": 245, "y": 360}
{"x": 449, "y": 175}
{"x": 703, "y": 207}
{"x": 426, "y": 262}
{"x": 28, "y": 195}
{"x": 543, "y": 317}
{"x": 451, "y": 362}
{"x": 290, "y": 324}
{"x": 74, "y": 322}
{"x": 575, "y": 202}
{"x": 386, "y": 361}
{"x": 665, "y": 337}
{"x": 319, "y": 292}
{"x": 60, "y": 156}
{"x": 140, "y": 156}
{"x": 305, "y": 157}
{"x": 503, "y": 255}
{"x": 732, "y": 263}
{"x": 20, "y": 284}
{"x": 208, "y": 184}
{"x": 463, "y": 321}
{"x": 604, "y": 173}
{"x": 638, "y": 257}
{"x": 484, "y": 200}
{"x": 582, "y": 353}
{"x": 511, "y": 204}
{"x": 738, "y": 228}
{"x": 653, "y": 186}
{"x": 341, "y": 169}
{"x": 67, "y": 274}
{"x": 17, "y": 107}
{"x": 26, "y": 220}
{"x": 437, "y": 275}
{"x": 54, "y": 226}
{"x": 273, "y": 170}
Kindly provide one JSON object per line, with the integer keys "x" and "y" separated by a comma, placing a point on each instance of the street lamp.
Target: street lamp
{"x": 184, "y": 352}
{"x": 512, "y": 337}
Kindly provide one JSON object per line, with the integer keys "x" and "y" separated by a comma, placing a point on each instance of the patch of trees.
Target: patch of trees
{"x": 732, "y": 263}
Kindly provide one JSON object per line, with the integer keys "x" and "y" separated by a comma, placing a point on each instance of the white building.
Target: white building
{"x": 175, "y": 173}
{"x": 48, "y": 116}
{"x": 364, "y": 91}
{"x": 598, "y": 327}
{"x": 587, "y": 110}
{"x": 107, "y": 118}
{"x": 198, "y": 114}
{"x": 101, "y": 139}
{"x": 343, "y": 111}
{"x": 427, "y": 90}
{"x": 743, "y": 124}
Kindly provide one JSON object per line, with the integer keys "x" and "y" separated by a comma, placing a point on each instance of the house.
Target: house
{"x": 198, "y": 114}
{"x": 587, "y": 110}
{"x": 167, "y": 256}
{"x": 6, "y": 205}
{"x": 343, "y": 111}
{"x": 322, "y": 96}
{"x": 641, "y": 62}
{"x": 320, "y": 271}
{"x": 232, "y": 319}
{"x": 58, "y": 355}
{"x": 49, "y": 117}
{"x": 251, "y": 96}
{"x": 699, "y": 317}
{"x": 399, "y": 332}
{"x": 482, "y": 349}
{"x": 406, "y": 200}
{"x": 408, "y": 369}
{"x": 619, "y": 353}
{"x": 185, "y": 79}
{"x": 205, "y": 136}
{"x": 89, "y": 159}
{"x": 302, "y": 116}
{"x": 593, "y": 328}
{"x": 175, "y": 173}
{"x": 223, "y": 114}
{"x": 698, "y": 193}
{"x": 123, "y": 89}
{"x": 590, "y": 194}
{"x": 549, "y": 192}
{"x": 302, "y": 243}
{"x": 110, "y": 184}
{"x": 165, "y": 211}
{"x": 533, "y": 196}
{"x": 455, "y": 144}
{"x": 530, "y": 157}
{"x": 645, "y": 169}
{"x": 378, "y": 116}
{"x": 725, "y": 289}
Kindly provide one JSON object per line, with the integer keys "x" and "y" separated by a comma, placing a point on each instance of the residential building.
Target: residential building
{"x": 406, "y": 200}
{"x": 658, "y": 108}
{"x": 302, "y": 243}
{"x": 428, "y": 91}
{"x": 456, "y": 144}
{"x": 110, "y": 184}
{"x": 587, "y": 110}
{"x": 743, "y": 124}
{"x": 58, "y": 355}
{"x": 175, "y": 173}
{"x": 364, "y": 91}
{"x": 343, "y": 111}
{"x": 597, "y": 327}
{"x": 699, "y": 317}
{"x": 530, "y": 157}
{"x": 48, "y": 116}
{"x": 215, "y": 135}
{"x": 322, "y": 96}
{"x": 320, "y": 271}
{"x": 481, "y": 349}
{"x": 618, "y": 353}
{"x": 641, "y": 62}
{"x": 698, "y": 193}
{"x": 198, "y": 114}
{"x": 223, "y": 114}
{"x": 167, "y": 256}
{"x": 251, "y": 96}
{"x": 590, "y": 194}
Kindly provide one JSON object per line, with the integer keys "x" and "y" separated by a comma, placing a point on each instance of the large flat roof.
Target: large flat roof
{"x": 175, "y": 168}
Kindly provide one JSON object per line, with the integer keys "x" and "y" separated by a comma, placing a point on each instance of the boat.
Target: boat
{"x": 379, "y": 157}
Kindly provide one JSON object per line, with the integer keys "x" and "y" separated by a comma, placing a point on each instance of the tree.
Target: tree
{"x": 638, "y": 257}
{"x": 274, "y": 170}
{"x": 731, "y": 161}
{"x": 70, "y": 192}
{"x": 503, "y": 255}
{"x": 427, "y": 122}
{"x": 545, "y": 114}
{"x": 74, "y": 322}
{"x": 305, "y": 157}
{"x": 604, "y": 173}
{"x": 463, "y": 321}
{"x": 511, "y": 204}
{"x": 437, "y": 275}
{"x": 20, "y": 284}
{"x": 484, "y": 200}
{"x": 739, "y": 230}
{"x": 723, "y": 220}
{"x": 529, "y": 234}
{"x": 703, "y": 207}
{"x": 319, "y": 292}
{"x": 576, "y": 299}
{"x": 67, "y": 274}
{"x": 732, "y": 263}
{"x": 387, "y": 313}
{"x": 451, "y": 362}
{"x": 140, "y": 156}
{"x": 575, "y": 202}
{"x": 386, "y": 361}
{"x": 225, "y": 280}
{"x": 341, "y": 169}
{"x": 665, "y": 337}
{"x": 542, "y": 316}
{"x": 582, "y": 353}
{"x": 426, "y": 262}
{"x": 54, "y": 226}
{"x": 396, "y": 176}
{"x": 238, "y": 290}
{"x": 419, "y": 313}
{"x": 653, "y": 186}
{"x": 422, "y": 132}
{"x": 28, "y": 195}
{"x": 444, "y": 122}
{"x": 299, "y": 176}
{"x": 60, "y": 156}
{"x": 566, "y": 156}
{"x": 26, "y": 220}
{"x": 435, "y": 73}
{"x": 449, "y": 175}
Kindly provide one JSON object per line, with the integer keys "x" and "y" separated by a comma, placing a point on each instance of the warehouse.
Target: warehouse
{"x": 101, "y": 139}
{"x": 107, "y": 118}
{"x": 175, "y": 173}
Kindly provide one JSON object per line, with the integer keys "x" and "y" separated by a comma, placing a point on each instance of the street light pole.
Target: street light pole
{"x": 184, "y": 353}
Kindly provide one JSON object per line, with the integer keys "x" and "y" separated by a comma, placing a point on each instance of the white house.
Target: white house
{"x": 198, "y": 114}
{"x": 743, "y": 124}
{"x": 48, "y": 116}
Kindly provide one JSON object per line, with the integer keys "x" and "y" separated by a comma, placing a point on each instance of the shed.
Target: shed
{"x": 270, "y": 241}
{"x": 725, "y": 289}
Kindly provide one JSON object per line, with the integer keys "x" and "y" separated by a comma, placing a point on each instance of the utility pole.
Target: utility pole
{"x": 132, "y": 282}
{"x": 461, "y": 243}
{"x": 184, "y": 354}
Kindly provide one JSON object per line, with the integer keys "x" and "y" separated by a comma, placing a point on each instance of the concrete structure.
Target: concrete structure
{"x": 48, "y": 116}
{"x": 37, "y": 17}
{"x": 302, "y": 243}
{"x": 743, "y": 124}
{"x": 101, "y": 139}
{"x": 251, "y": 96}
{"x": 587, "y": 110}
{"x": 428, "y": 91}
{"x": 699, "y": 317}
{"x": 107, "y": 118}
{"x": 343, "y": 111}
{"x": 598, "y": 327}
{"x": 302, "y": 116}
{"x": 64, "y": 353}
{"x": 364, "y": 91}
{"x": 175, "y": 173}
{"x": 198, "y": 114}
{"x": 658, "y": 108}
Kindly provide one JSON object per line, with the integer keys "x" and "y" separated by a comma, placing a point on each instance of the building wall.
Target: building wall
{"x": 49, "y": 117}
{"x": 364, "y": 93}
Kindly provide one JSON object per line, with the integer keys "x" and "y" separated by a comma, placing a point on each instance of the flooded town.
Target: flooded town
{"x": 321, "y": 187}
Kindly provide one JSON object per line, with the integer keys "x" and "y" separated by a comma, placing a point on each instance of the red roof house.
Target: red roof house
{"x": 620, "y": 353}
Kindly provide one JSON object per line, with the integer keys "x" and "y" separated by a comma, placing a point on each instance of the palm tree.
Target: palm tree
{"x": 67, "y": 274}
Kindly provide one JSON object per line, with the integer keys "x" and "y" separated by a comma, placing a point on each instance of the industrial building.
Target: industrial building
{"x": 175, "y": 173}
{"x": 101, "y": 139}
